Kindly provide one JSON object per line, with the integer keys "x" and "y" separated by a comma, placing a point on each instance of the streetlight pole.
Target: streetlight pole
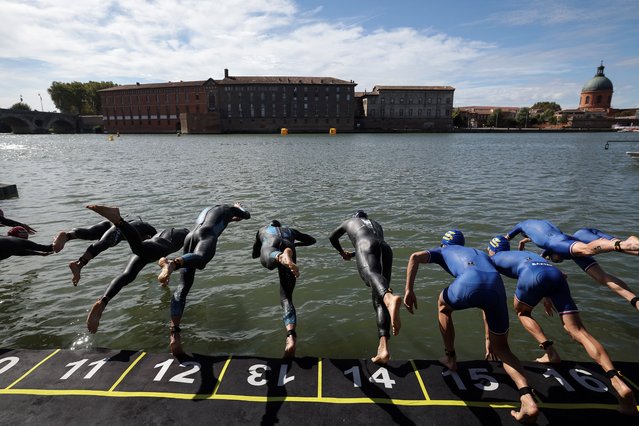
{"x": 41, "y": 107}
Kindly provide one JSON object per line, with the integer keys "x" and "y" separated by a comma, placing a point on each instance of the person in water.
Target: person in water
{"x": 107, "y": 234}
{"x": 17, "y": 243}
{"x": 198, "y": 250}
{"x": 477, "y": 284}
{"x": 275, "y": 246}
{"x": 374, "y": 259}
{"x": 5, "y": 221}
{"x": 145, "y": 251}
{"x": 548, "y": 236}
{"x": 580, "y": 247}
{"x": 536, "y": 280}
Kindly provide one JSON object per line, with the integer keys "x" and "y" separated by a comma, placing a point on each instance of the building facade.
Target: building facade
{"x": 232, "y": 105}
{"x": 161, "y": 107}
{"x": 406, "y": 108}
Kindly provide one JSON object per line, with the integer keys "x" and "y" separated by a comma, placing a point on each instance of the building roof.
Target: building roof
{"x": 281, "y": 80}
{"x": 137, "y": 86}
{"x": 598, "y": 82}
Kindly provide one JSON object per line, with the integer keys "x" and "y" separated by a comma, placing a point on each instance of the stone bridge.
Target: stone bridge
{"x": 19, "y": 121}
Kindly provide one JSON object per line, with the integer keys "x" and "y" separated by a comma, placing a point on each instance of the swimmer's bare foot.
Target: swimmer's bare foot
{"x": 393, "y": 304}
{"x": 168, "y": 266}
{"x": 449, "y": 360}
{"x": 75, "y": 270}
{"x": 175, "y": 342}
{"x": 93, "y": 320}
{"x": 58, "y": 242}
{"x": 286, "y": 259}
{"x": 551, "y": 357}
{"x": 627, "y": 402}
{"x": 383, "y": 355}
{"x": 528, "y": 412}
{"x": 291, "y": 343}
{"x": 632, "y": 244}
{"x": 112, "y": 214}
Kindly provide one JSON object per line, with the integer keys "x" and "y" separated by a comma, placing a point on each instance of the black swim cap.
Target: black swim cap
{"x": 360, "y": 213}
{"x": 276, "y": 223}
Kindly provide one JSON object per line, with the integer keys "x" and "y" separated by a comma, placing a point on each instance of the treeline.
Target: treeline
{"x": 539, "y": 113}
{"x": 77, "y": 97}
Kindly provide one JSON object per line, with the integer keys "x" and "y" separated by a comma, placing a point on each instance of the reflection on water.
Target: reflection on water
{"x": 417, "y": 186}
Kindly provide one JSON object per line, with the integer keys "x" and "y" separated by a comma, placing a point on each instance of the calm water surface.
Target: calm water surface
{"x": 416, "y": 185}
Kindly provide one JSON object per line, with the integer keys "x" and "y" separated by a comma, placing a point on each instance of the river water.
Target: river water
{"x": 416, "y": 185}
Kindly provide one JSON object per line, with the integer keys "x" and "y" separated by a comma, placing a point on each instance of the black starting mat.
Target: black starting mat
{"x": 107, "y": 386}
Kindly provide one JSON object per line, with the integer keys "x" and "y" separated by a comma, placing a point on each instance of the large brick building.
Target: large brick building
{"x": 231, "y": 105}
{"x": 405, "y": 108}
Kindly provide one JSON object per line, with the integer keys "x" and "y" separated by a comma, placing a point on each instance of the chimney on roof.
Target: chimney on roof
{"x": 137, "y": 83}
{"x": 226, "y": 73}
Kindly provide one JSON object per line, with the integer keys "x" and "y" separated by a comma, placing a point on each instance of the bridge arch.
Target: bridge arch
{"x": 14, "y": 125}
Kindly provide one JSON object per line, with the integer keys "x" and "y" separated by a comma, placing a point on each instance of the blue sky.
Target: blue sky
{"x": 503, "y": 53}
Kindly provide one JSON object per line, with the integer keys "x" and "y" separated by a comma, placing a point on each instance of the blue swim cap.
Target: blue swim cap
{"x": 453, "y": 237}
{"x": 360, "y": 213}
{"x": 499, "y": 243}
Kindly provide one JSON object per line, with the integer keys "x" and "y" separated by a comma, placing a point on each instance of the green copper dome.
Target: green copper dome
{"x": 598, "y": 82}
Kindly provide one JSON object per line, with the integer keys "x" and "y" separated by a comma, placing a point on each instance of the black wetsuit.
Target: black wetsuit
{"x": 374, "y": 262}
{"x": 145, "y": 252}
{"x": 107, "y": 234}
{"x": 14, "y": 246}
{"x": 199, "y": 248}
{"x": 5, "y": 221}
{"x": 270, "y": 241}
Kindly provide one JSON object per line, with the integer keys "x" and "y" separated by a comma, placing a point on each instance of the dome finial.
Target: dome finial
{"x": 600, "y": 69}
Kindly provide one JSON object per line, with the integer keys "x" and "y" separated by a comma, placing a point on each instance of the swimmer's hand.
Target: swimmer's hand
{"x": 522, "y": 243}
{"x": 347, "y": 255}
{"x": 410, "y": 301}
{"x": 548, "y": 306}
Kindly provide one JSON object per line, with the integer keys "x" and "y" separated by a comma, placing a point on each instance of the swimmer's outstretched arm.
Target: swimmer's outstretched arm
{"x": 410, "y": 299}
{"x": 257, "y": 246}
{"x": 10, "y": 222}
{"x": 303, "y": 239}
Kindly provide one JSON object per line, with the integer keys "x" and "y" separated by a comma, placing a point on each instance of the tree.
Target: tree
{"x": 21, "y": 106}
{"x": 522, "y": 117}
{"x": 494, "y": 117}
{"x": 552, "y": 106}
{"x": 458, "y": 119}
{"x": 77, "y": 97}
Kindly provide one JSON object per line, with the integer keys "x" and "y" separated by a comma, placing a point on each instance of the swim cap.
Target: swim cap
{"x": 276, "y": 223}
{"x": 360, "y": 213}
{"x": 18, "y": 231}
{"x": 453, "y": 237}
{"x": 499, "y": 243}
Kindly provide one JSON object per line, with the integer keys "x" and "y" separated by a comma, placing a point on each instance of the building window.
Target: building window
{"x": 211, "y": 105}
